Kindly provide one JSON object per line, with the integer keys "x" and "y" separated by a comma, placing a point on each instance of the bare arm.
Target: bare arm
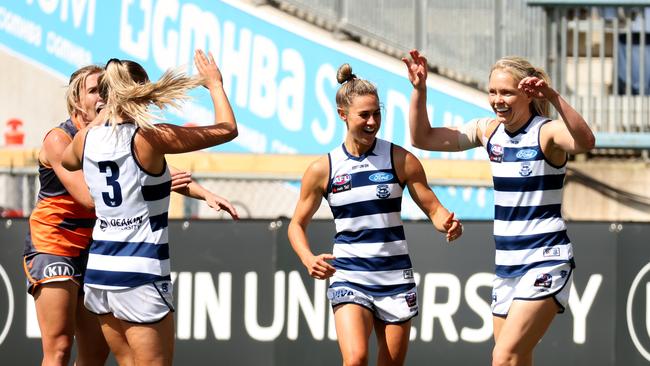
{"x": 54, "y": 145}
{"x": 311, "y": 194}
{"x": 171, "y": 139}
{"x": 572, "y": 134}
{"x": 71, "y": 159}
{"x": 182, "y": 183}
{"x": 423, "y": 136}
{"x": 410, "y": 168}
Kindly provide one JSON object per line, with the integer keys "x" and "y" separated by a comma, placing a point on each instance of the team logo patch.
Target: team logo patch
{"x": 380, "y": 177}
{"x": 411, "y": 299}
{"x": 494, "y": 297}
{"x": 383, "y": 191}
{"x": 496, "y": 153}
{"x": 551, "y": 252}
{"x": 103, "y": 224}
{"x": 543, "y": 280}
{"x": 526, "y": 154}
{"x": 563, "y": 273}
{"x": 341, "y": 183}
{"x": 525, "y": 169}
{"x": 58, "y": 269}
{"x": 408, "y": 273}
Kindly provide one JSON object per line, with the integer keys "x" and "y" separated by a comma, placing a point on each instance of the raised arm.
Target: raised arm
{"x": 423, "y": 136}
{"x": 311, "y": 195}
{"x": 410, "y": 169}
{"x": 171, "y": 139}
{"x": 572, "y": 134}
{"x": 52, "y": 154}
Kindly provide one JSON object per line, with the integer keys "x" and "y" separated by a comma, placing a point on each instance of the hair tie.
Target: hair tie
{"x": 111, "y": 61}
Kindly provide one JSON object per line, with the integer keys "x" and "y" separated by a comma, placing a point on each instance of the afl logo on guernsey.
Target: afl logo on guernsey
{"x": 526, "y": 154}
{"x": 380, "y": 177}
{"x": 496, "y": 153}
{"x": 341, "y": 183}
{"x": 340, "y": 180}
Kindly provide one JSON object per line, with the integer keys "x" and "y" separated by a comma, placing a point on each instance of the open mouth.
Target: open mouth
{"x": 99, "y": 107}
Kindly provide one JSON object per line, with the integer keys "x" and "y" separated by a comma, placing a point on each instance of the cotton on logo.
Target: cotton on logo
{"x": 636, "y": 304}
{"x": 6, "y": 292}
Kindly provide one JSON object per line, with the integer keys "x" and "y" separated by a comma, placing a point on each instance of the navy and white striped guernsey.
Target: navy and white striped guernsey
{"x": 365, "y": 196}
{"x": 130, "y": 243}
{"x": 529, "y": 230}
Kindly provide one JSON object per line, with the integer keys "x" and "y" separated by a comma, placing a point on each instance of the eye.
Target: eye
{"x": 364, "y": 115}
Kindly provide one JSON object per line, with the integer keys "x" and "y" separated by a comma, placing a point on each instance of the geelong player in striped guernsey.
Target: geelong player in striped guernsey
{"x": 372, "y": 283}
{"x": 528, "y": 152}
{"x": 127, "y": 280}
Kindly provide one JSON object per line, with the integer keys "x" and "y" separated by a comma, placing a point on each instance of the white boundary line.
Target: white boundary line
{"x": 10, "y": 297}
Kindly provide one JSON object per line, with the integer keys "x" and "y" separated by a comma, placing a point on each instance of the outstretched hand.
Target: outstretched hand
{"x": 318, "y": 267}
{"x": 208, "y": 69}
{"x": 535, "y": 87}
{"x": 454, "y": 228}
{"x": 219, "y": 203}
{"x": 417, "y": 69}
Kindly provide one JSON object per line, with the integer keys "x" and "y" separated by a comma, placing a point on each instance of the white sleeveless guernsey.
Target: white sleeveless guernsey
{"x": 130, "y": 245}
{"x": 365, "y": 196}
{"x": 529, "y": 230}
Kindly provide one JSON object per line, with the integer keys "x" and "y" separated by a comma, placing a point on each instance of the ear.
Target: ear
{"x": 342, "y": 114}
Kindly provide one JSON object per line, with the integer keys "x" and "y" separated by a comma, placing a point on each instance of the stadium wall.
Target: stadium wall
{"x": 243, "y": 298}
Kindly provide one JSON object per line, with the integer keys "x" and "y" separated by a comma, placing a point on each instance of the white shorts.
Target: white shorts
{"x": 536, "y": 284}
{"x": 144, "y": 304}
{"x": 398, "y": 308}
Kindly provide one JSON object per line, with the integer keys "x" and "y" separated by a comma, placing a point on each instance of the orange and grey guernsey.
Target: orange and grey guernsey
{"x": 58, "y": 225}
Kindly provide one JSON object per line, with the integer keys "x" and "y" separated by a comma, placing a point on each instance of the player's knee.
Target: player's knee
{"x": 502, "y": 357}
{"x": 356, "y": 359}
{"x": 58, "y": 349}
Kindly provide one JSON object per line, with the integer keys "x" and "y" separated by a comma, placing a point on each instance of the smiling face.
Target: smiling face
{"x": 89, "y": 99}
{"x": 363, "y": 118}
{"x": 511, "y": 105}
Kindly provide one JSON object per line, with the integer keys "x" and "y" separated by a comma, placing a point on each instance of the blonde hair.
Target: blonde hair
{"x": 351, "y": 87}
{"x": 127, "y": 91}
{"x": 76, "y": 84}
{"x": 520, "y": 68}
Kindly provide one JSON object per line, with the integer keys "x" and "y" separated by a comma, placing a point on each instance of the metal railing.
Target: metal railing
{"x": 582, "y": 44}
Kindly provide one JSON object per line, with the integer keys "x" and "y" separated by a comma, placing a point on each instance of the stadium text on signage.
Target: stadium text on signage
{"x": 211, "y": 307}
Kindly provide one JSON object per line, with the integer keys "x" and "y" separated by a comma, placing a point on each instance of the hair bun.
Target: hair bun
{"x": 345, "y": 74}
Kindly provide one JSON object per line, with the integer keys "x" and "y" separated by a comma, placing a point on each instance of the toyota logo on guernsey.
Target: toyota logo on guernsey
{"x": 6, "y": 307}
{"x": 638, "y": 307}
